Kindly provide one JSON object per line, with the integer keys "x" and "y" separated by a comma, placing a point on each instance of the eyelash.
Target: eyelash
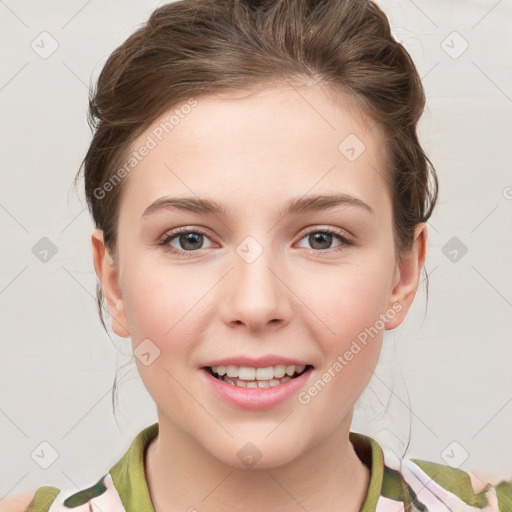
{"x": 345, "y": 242}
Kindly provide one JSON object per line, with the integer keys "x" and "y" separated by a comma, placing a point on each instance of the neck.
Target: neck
{"x": 181, "y": 475}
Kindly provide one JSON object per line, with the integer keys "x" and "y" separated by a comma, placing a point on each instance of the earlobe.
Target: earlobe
{"x": 407, "y": 277}
{"x": 108, "y": 274}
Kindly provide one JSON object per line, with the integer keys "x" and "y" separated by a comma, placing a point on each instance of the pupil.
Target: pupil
{"x": 320, "y": 237}
{"x": 190, "y": 238}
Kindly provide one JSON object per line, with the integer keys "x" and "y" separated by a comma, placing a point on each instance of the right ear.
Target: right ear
{"x": 108, "y": 274}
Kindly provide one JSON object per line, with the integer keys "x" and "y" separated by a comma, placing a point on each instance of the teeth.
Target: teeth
{"x": 231, "y": 371}
{"x": 279, "y": 371}
{"x": 248, "y": 373}
{"x": 244, "y": 372}
{"x": 255, "y": 384}
{"x": 290, "y": 370}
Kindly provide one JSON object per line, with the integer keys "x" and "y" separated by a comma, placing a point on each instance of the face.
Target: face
{"x": 272, "y": 277}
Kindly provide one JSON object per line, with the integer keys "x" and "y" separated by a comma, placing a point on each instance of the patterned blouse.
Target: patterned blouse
{"x": 411, "y": 486}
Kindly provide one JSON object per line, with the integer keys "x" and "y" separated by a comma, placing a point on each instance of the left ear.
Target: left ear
{"x": 407, "y": 274}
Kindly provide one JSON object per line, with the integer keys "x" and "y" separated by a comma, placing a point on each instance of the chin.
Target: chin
{"x": 258, "y": 453}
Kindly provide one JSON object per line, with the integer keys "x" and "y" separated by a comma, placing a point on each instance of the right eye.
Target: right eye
{"x": 187, "y": 238}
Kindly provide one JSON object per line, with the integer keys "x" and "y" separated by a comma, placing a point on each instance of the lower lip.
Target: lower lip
{"x": 255, "y": 398}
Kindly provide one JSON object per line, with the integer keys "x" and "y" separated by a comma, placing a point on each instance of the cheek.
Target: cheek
{"x": 160, "y": 300}
{"x": 169, "y": 306}
{"x": 350, "y": 301}
{"x": 351, "y": 311}
{"x": 164, "y": 311}
{"x": 348, "y": 326}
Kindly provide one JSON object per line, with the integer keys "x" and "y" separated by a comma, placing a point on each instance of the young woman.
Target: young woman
{"x": 260, "y": 199}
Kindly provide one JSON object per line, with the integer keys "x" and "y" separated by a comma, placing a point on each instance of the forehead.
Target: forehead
{"x": 262, "y": 142}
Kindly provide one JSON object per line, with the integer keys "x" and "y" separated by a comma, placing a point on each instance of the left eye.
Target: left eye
{"x": 191, "y": 240}
{"x": 325, "y": 237}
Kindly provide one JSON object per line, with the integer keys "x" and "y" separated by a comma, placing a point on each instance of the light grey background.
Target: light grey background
{"x": 446, "y": 373}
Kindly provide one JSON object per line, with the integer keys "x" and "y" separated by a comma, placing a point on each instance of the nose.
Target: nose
{"x": 255, "y": 294}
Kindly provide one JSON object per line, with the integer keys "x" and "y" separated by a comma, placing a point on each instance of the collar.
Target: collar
{"x": 129, "y": 476}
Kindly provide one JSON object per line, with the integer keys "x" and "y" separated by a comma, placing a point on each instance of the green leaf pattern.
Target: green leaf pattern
{"x": 100, "y": 497}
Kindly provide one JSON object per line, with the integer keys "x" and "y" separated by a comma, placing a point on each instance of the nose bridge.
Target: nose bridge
{"x": 257, "y": 294}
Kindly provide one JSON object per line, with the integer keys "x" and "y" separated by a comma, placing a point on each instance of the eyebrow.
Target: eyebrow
{"x": 296, "y": 205}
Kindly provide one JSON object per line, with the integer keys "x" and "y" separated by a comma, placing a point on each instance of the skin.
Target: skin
{"x": 254, "y": 150}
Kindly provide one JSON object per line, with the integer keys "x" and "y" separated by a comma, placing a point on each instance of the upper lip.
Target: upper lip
{"x": 256, "y": 362}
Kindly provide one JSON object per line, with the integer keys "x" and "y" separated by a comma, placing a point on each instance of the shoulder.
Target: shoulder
{"x": 35, "y": 501}
{"x": 17, "y": 503}
{"x": 431, "y": 483}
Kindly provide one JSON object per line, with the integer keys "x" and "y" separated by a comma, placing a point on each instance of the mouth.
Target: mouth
{"x": 250, "y": 377}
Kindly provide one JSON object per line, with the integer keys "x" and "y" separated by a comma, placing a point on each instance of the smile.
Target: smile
{"x": 250, "y": 377}
{"x": 257, "y": 383}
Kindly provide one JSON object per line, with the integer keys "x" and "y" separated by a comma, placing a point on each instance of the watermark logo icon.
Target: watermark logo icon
{"x": 249, "y": 249}
{"x": 351, "y": 147}
{"x": 44, "y": 455}
{"x": 44, "y": 250}
{"x": 146, "y": 352}
{"x": 454, "y": 249}
{"x": 249, "y": 455}
{"x": 454, "y": 454}
{"x": 44, "y": 44}
{"x": 454, "y": 45}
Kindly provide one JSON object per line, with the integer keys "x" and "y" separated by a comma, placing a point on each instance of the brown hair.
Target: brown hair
{"x": 191, "y": 48}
